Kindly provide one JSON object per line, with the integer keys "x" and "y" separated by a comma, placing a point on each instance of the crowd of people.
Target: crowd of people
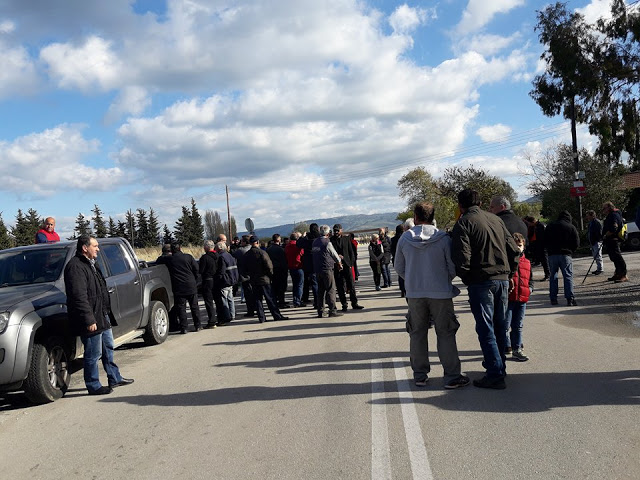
{"x": 492, "y": 252}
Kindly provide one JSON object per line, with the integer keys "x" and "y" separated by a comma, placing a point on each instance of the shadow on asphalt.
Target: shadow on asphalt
{"x": 525, "y": 393}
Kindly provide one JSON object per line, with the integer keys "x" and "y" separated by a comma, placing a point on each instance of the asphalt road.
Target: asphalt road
{"x": 325, "y": 398}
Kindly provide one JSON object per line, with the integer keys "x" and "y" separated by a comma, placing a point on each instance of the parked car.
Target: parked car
{"x": 36, "y": 339}
{"x": 633, "y": 236}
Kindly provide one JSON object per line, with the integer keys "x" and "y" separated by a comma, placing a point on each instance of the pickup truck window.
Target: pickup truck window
{"x": 115, "y": 258}
{"x": 31, "y": 266}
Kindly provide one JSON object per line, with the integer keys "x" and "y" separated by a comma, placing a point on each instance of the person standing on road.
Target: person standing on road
{"x": 225, "y": 278}
{"x": 294, "y": 261}
{"x": 594, "y": 237}
{"x": 501, "y": 206}
{"x": 245, "y": 280}
{"x": 325, "y": 259}
{"x": 518, "y": 298}
{"x": 376, "y": 256}
{"x": 386, "y": 257}
{"x": 561, "y": 239}
{"x": 89, "y": 310}
{"x": 613, "y": 223}
{"x": 354, "y": 242}
{"x": 310, "y": 279}
{"x": 47, "y": 234}
{"x": 344, "y": 276}
{"x": 486, "y": 258}
{"x": 260, "y": 269}
{"x": 423, "y": 260}
{"x": 537, "y": 249}
{"x": 207, "y": 266}
{"x": 184, "y": 275}
{"x": 280, "y": 270}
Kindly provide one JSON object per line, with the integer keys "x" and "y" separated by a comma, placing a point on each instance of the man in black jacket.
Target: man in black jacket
{"x": 207, "y": 266}
{"x": 594, "y": 237}
{"x": 613, "y": 223}
{"x": 561, "y": 239}
{"x": 89, "y": 310}
{"x": 260, "y": 270}
{"x": 501, "y": 206}
{"x": 344, "y": 276}
{"x": 247, "y": 291}
{"x": 184, "y": 276}
{"x": 280, "y": 270}
{"x": 310, "y": 278}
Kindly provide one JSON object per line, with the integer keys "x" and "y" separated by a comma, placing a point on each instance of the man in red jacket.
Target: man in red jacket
{"x": 47, "y": 233}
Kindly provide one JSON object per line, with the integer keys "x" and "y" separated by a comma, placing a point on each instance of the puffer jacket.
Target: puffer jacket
{"x": 523, "y": 282}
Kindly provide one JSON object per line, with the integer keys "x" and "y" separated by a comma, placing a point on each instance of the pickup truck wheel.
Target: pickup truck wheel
{"x": 633, "y": 241}
{"x": 158, "y": 326}
{"x": 49, "y": 376}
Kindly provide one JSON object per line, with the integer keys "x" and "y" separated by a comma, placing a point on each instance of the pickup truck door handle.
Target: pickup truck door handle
{"x": 137, "y": 282}
{"x": 112, "y": 289}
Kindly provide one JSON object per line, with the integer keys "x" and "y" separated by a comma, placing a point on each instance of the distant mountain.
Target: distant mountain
{"x": 349, "y": 223}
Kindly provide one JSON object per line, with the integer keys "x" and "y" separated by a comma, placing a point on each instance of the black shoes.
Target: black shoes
{"x": 344, "y": 308}
{"x": 198, "y": 328}
{"x": 101, "y": 391}
{"x": 210, "y": 325}
{"x": 554, "y": 302}
{"x": 571, "y": 302}
{"x": 335, "y": 314}
{"x": 319, "y": 313}
{"x": 121, "y": 383}
{"x": 357, "y": 307}
{"x": 597, "y": 272}
{"x": 282, "y": 318}
{"x": 494, "y": 383}
{"x": 183, "y": 331}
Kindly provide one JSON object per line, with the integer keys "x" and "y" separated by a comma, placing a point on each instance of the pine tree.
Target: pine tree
{"x": 167, "y": 237}
{"x": 121, "y": 229}
{"x": 142, "y": 239}
{"x": 98, "y": 222}
{"x": 26, "y": 227}
{"x": 154, "y": 228}
{"x": 197, "y": 228}
{"x": 5, "y": 240}
{"x": 183, "y": 227}
{"x": 112, "y": 229}
{"x": 83, "y": 226}
{"x": 130, "y": 225}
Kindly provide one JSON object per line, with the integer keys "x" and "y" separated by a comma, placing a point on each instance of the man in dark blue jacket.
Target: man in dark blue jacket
{"x": 561, "y": 240}
{"x": 89, "y": 310}
{"x": 184, "y": 276}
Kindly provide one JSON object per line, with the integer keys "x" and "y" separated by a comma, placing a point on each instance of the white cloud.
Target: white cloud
{"x": 406, "y": 19}
{"x": 88, "y": 66}
{"x": 487, "y": 44}
{"x": 46, "y": 163}
{"x": 596, "y": 10}
{"x": 131, "y": 100}
{"x": 493, "y": 133}
{"x": 480, "y": 12}
{"x": 17, "y": 72}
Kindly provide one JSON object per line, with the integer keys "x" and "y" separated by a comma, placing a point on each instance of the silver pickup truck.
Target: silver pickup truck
{"x": 36, "y": 343}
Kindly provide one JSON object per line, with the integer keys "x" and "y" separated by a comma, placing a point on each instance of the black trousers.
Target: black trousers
{"x": 615, "y": 255}
{"x": 279, "y": 285}
{"x": 249, "y": 298}
{"x": 181, "y": 303}
{"x": 264, "y": 291}
{"x": 344, "y": 283}
{"x": 310, "y": 283}
{"x": 207, "y": 296}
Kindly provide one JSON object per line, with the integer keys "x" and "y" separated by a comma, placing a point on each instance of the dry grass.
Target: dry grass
{"x": 151, "y": 254}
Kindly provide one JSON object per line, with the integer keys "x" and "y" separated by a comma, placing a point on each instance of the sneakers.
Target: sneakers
{"x": 519, "y": 356}
{"x": 494, "y": 383}
{"x": 422, "y": 383}
{"x": 508, "y": 350}
{"x": 377, "y": 288}
{"x": 597, "y": 272}
{"x": 621, "y": 279}
{"x": 461, "y": 381}
{"x": 571, "y": 302}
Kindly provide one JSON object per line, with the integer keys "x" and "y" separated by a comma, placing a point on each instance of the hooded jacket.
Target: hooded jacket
{"x": 423, "y": 259}
{"x": 561, "y": 237}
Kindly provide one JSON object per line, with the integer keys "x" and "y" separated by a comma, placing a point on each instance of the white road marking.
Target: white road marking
{"x": 420, "y": 466}
{"x": 380, "y": 454}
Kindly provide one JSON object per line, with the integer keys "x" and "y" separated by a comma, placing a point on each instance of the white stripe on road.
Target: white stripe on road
{"x": 417, "y": 451}
{"x": 380, "y": 454}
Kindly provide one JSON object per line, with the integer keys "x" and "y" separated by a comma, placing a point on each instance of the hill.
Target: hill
{"x": 349, "y": 223}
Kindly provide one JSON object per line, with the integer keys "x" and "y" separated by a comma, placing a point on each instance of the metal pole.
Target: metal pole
{"x": 576, "y": 165}
{"x": 228, "y": 214}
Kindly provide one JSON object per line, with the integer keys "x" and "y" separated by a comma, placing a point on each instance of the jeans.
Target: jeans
{"x": 596, "y": 251}
{"x": 310, "y": 282}
{"x": 488, "y": 302}
{"x": 564, "y": 263}
{"x": 297, "y": 279}
{"x": 421, "y": 312}
{"x": 228, "y": 305}
{"x": 96, "y": 346}
{"x": 515, "y": 319}
{"x": 386, "y": 274}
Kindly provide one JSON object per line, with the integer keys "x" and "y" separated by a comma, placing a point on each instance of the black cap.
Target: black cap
{"x": 253, "y": 239}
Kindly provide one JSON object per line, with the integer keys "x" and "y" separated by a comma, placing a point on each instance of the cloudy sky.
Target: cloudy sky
{"x": 304, "y": 108}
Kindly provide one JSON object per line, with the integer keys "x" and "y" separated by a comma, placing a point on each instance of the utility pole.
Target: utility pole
{"x": 228, "y": 214}
{"x": 576, "y": 165}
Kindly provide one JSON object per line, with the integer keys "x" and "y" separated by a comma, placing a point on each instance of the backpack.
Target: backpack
{"x": 622, "y": 233}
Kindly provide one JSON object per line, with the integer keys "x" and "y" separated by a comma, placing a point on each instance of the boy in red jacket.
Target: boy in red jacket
{"x": 518, "y": 298}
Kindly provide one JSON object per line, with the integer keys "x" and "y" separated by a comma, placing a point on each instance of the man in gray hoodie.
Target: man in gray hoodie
{"x": 423, "y": 260}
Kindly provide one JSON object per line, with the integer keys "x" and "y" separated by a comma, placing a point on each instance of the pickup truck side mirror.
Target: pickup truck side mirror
{"x": 143, "y": 264}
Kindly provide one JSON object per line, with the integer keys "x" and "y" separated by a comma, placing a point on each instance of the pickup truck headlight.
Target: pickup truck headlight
{"x": 4, "y": 321}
